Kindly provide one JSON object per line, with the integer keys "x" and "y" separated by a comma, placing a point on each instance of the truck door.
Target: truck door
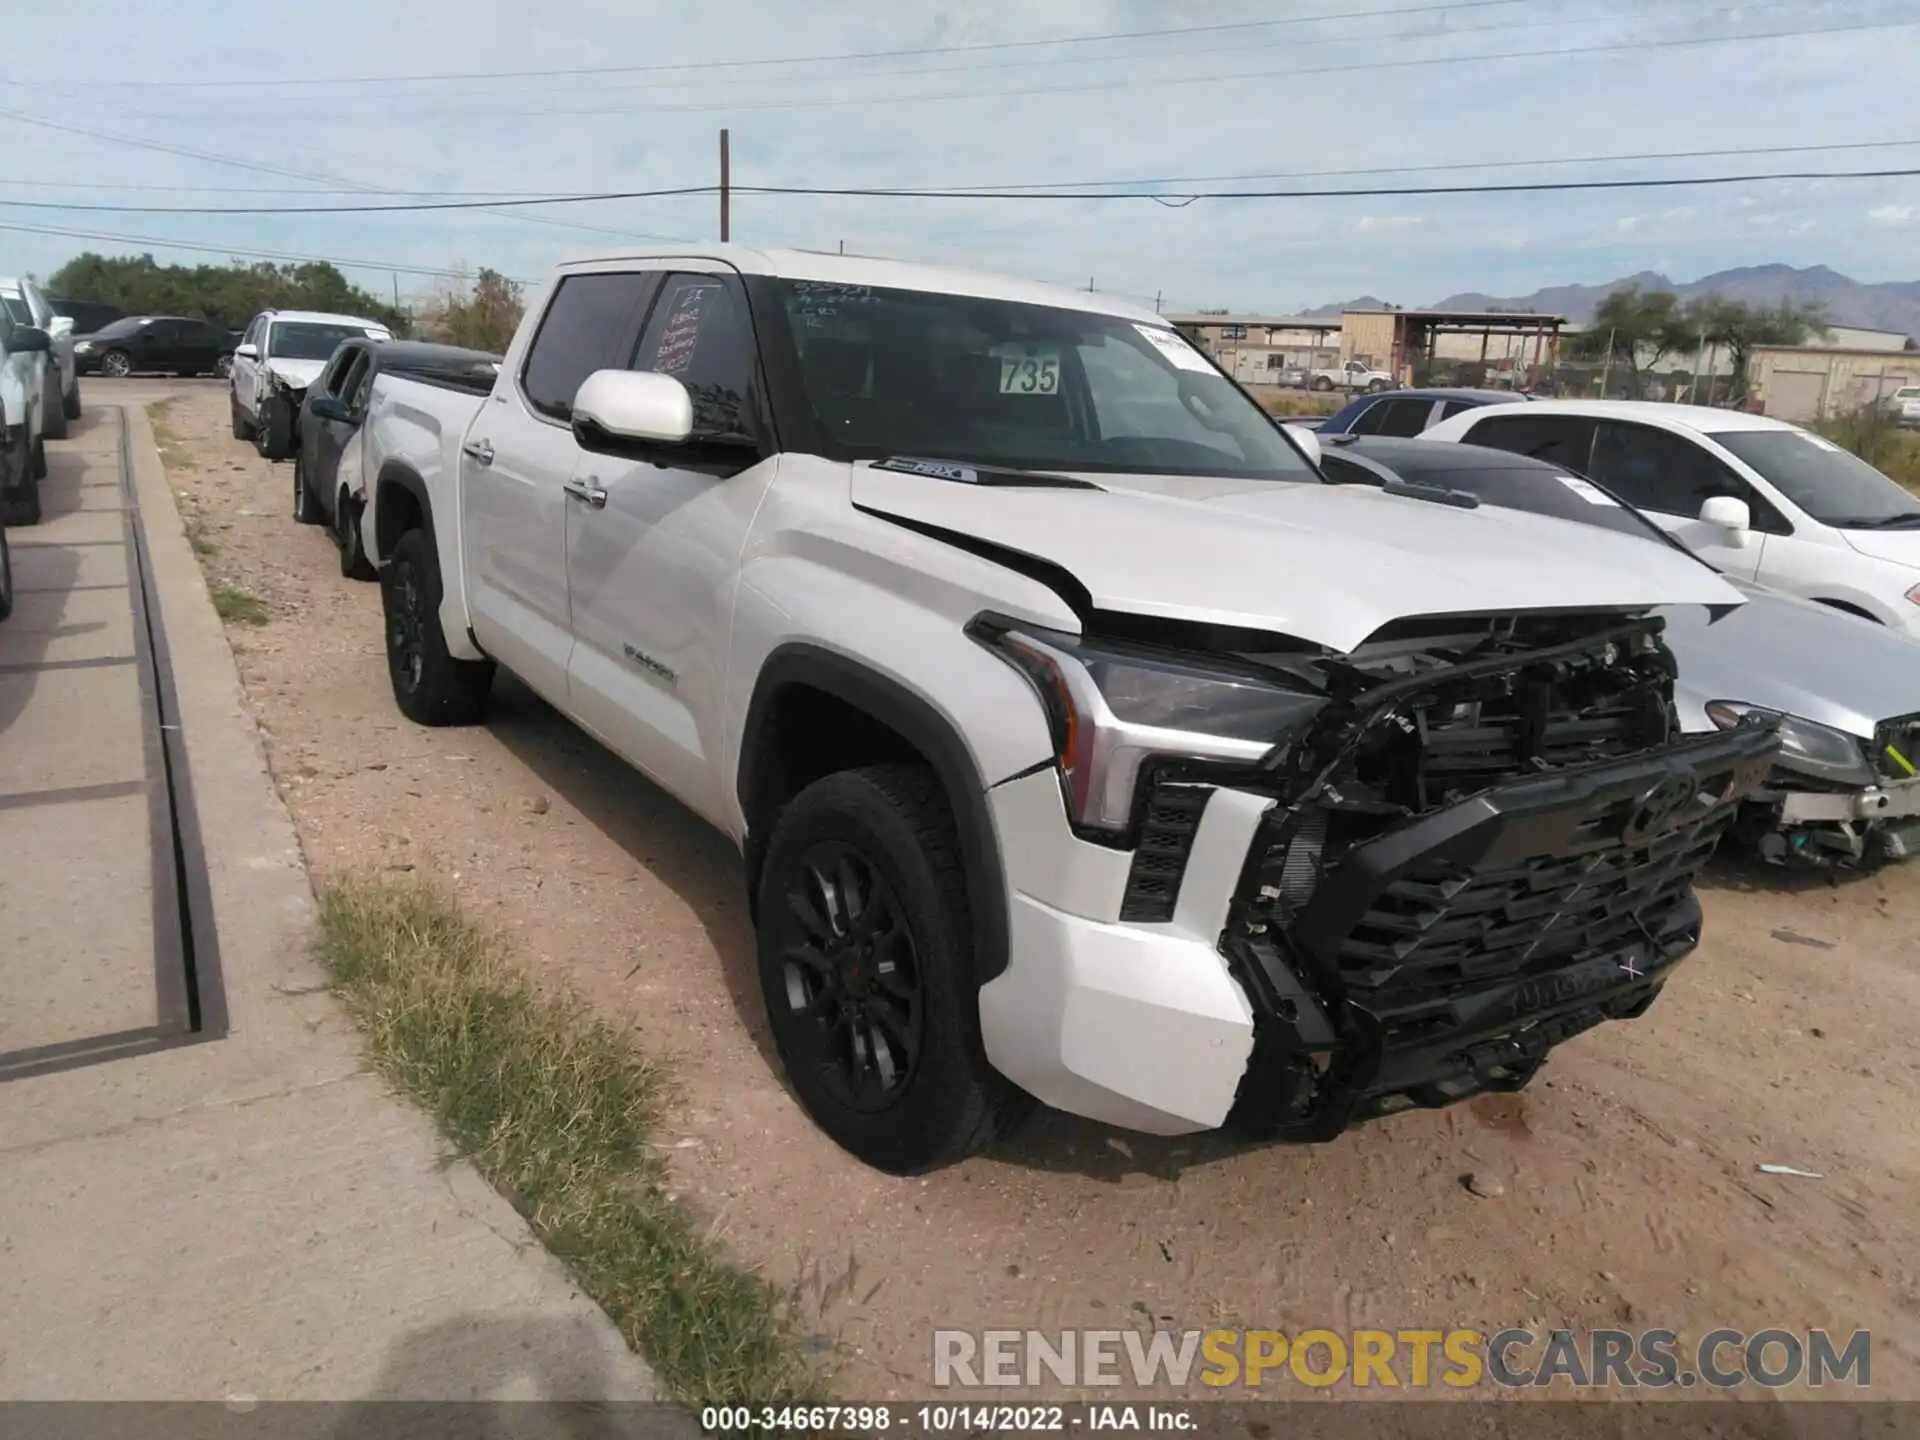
{"x": 516, "y": 463}
{"x": 653, "y": 552}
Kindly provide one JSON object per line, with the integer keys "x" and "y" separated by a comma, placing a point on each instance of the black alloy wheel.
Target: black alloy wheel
{"x": 406, "y": 629}
{"x": 852, "y": 976}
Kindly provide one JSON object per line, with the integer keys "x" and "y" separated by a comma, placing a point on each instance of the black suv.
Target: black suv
{"x": 169, "y": 343}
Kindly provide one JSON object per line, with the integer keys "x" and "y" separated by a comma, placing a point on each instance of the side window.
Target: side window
{"x": 1405, "y": 418}
{"x": 1668, "y": 474}
{"x": 336, "y": 372}
{"x": 1453, "y": 408}
{"x": 6, "y": 327}
{"x": 255, "y": 329}
{"x": 1563, "y": 440}
{"x": 700, "y": 334}
{"x": 1369, "y": 420}
{"x": 360, "y": 383}
{"x": 354, "y": 364}
{"x": 580, "y": 333}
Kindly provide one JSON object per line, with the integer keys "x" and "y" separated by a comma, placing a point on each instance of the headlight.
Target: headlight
{"x": 82, "y": 347}
{"x": 1804, "y": 745}
{"x": 1914, "y": 595}
{"x": 1113, "y": 707}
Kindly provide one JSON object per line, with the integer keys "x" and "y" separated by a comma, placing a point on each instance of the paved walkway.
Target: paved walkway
{"x": 196, "y": 1214}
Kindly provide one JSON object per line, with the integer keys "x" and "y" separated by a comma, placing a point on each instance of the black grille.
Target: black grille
{"x": 1171, "y": 821}
{"x": 1437, "y": 927}
{"x": 1895, "y": 741}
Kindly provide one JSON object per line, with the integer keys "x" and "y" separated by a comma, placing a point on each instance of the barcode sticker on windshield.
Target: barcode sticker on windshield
{"x": 1586, "y": 490}
{"x": 1028, "y": 369}
{"x": 1177, "y": 350}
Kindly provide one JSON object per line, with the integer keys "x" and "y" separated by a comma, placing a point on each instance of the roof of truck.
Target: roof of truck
{"x": 1702, "y": 419}
{"x": 884, "y": 274}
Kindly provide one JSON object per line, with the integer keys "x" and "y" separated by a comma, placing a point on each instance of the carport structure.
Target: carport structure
{"x": 1414, "y": 338}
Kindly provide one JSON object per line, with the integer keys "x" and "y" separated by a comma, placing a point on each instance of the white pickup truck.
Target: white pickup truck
{"x": 1081, "y": 741}
{"x": 1354, "y": 375}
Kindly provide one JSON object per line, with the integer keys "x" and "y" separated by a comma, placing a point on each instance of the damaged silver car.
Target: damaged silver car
{"x": 1846, "y": 786}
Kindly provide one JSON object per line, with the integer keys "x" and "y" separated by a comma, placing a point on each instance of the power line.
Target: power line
{"x": 709, "y": 65}
{"x": 1520, "y": 187}
{"x": 496, "y": 111}
{"x": 249, "y": 253}
{"x": 489, "y": 198}
{"x": 492, "y": 96}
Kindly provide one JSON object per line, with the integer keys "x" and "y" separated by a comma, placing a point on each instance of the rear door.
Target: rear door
{"x": 517, "y": 461}
{"x": 343, "y": 376}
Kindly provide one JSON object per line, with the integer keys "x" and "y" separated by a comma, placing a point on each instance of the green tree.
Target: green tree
{"x": 1736, "y": 327}
{"x": 228, "y": 295}
{"x": 1635, "y": 328}
{"x": 481, "y": 314}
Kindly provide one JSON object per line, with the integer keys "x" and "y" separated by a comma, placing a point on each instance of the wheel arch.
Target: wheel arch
{"x": 400, "y": 503}
{"x": 801, "y": 683}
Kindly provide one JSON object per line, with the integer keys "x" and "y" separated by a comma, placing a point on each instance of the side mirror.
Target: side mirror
{"x": 60, "y": 326}
{"x": 1731, "y": 514}
{"x": 1308, "y": 442}
{"x": 329, "y": 407}
{"x": 246, "y": 352}
{"x": 631, "y": 405}
{"x": 28, "y": 340}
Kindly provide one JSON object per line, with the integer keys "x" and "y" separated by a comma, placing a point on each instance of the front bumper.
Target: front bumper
{"x": 1880, "y": 802}
{"x": 1289, "y": 1023}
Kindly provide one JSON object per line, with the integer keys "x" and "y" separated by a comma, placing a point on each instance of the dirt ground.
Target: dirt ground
{"x": 1629, "y": 1193}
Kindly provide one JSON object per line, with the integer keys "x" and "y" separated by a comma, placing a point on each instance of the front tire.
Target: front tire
{"x": 38, "y": 460}
{"x": 1321, "y": 383}
{"x": 56, "y": 409}
{"x": 22, "y": 492}
{"x": 275, "y": 433}
{"x": 116, "y": 363}
{"x": 70, "y": 404}
{"x": 865, "y": 943}
{"x": 429, "y": 685}
{"x": 353, "y": 551}
{"x": 223, "y": 367}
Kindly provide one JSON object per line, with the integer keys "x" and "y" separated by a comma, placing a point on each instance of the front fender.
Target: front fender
{"x": 401, "y": 499}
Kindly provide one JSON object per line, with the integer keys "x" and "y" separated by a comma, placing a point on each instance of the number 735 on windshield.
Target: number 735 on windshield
{"x": 1028, "y": 369}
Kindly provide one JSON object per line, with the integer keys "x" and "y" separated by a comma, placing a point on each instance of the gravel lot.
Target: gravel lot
{"x": 1627, "y": 1189}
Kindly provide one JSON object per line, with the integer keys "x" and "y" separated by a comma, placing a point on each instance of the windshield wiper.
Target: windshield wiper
{"x": 1439, "y": 495}
{"x": 1000, "y": 476}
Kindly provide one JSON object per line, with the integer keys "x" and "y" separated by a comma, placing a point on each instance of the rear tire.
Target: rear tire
{"x": 39, "y": 459}
{"x": 353, "y": 551}
{"x": 56, "y": 408}
{"x": 70, "y": 404}
{"x": 116, "y": 363}
{"x": 429, "y": 685}
{"x": 6, "y": 576}
{"x": 1321, "y": 383}
{"x": 865, "y": 947}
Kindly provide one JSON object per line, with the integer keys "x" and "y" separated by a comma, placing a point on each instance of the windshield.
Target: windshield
{"x": 311, "y": 340}
{"x": 1030, "y": 387}
{"x": 1832, "y": 486}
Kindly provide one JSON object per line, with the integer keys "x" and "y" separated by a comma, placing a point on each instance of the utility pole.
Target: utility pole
{"x": 1089, "y": 284}
{"x": 1606, "y": 370}
{"x": 843, "y": 247}
{"x": 1156, "y": 302}
{"x": 726, "y": 189}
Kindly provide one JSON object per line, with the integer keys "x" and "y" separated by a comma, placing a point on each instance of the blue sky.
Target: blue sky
{"x": 1348, "y": 85}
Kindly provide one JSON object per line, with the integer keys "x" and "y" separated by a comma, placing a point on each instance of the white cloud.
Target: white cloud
{"x": 1373, "y": 224}
{"x": 1627, "y": 223}
{"x": 1892, "y": 214}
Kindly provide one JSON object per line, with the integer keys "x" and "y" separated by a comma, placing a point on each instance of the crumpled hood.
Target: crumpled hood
{"x": 1329, "y": 564}
{"x": 298, "y": 374}
{"x": 1797, "y": 657}
{"x": 1900, "y": 546}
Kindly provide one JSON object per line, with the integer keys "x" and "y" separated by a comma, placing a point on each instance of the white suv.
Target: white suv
{"x": 279, "y": 356}
{"x": 1082, "y": 742}
{"x": 26, "y": 303}
{"x": 1759, "y": 498}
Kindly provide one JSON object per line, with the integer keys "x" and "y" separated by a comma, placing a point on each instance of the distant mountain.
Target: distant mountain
{"x": 1893, "y": 305}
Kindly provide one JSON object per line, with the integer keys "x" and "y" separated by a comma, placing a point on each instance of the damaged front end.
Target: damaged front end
{"x": 1481, "y": 842}
{"x": 1857, "y": 807}
{"x": 279, "y": 424}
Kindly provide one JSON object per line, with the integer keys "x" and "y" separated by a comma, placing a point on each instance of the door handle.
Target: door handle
{"x": 481, "y": 450}
{"x": 590, "y": 494}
